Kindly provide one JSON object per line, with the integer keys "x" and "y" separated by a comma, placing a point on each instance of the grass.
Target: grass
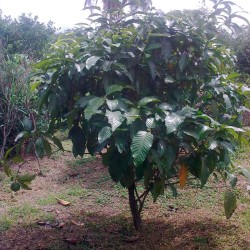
{"x": 23, "y": 214}
{"x": 77, "y": 191}
{"x": 69, "y": 195}
{"x": 80, "y": 162}
{"x": 5, "y": 223}
{"x": 199, "y": 222}
{"x": 103, "y": 198}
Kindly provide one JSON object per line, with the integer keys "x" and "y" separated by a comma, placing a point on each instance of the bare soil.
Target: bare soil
{"x": 99, "y": 218}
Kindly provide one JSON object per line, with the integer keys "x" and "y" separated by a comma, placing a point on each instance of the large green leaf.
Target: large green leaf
{"x": 83, "y": 102}
{"x": 47, "y": 147}
{"x": 204, "y": 172}
{"x": 227, "y": 101}
{"x": 27, "y": 124}
{"x": 118, "y": 163}
{"x": 158, "y": 188}
{"x": 91, "y": 61}
{"x": 39, "y": 147}
{"x": 113, "y": 88}
{"x": 172, "y": 122}
{"x": 26, "y": 178}
{"x": 121, "y": 139}
{"x": 198, "y": 132}
{"x": 171, "y": 154}
{"x": 57, "y": 142}
{"x": 104, "y": 134}
{"x": 115, "y": 119}
{"x": 140, "y": 146}
{"x": 144, "y": 101}
{"x": 150, "y": 122}
{"x": 117, "y": 104}
{"x": 245, "y": 172}
{"x": 93, "y": 106}
{"x": 132, "y": 115}
{"x": 78, "y": 140}
{"x": 229, "y": 203}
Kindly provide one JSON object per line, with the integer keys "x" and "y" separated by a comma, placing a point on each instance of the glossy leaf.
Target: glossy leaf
{"x": 84, "y": 101}
{"x": 115, "y": 119}
{"x": 93, "y": 106}
{"x": 104, "y": 134}
{"x": 146, "y": 100}
{"x": 140, "y": 146}
{"x": 113, "y": 88}
{"x": 91, "y": 61}
{"x": 172, "y": 122}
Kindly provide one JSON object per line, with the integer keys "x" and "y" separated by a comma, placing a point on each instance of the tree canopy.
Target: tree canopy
{"x": 25, "y": 35}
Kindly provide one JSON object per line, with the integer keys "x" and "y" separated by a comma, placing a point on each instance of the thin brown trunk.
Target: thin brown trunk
{"x": 134, "y": 208}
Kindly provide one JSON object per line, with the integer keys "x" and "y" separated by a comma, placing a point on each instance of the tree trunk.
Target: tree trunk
{"x": 134, "y": 208}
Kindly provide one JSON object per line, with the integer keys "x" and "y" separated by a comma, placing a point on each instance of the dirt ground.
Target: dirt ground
{"x": 98, "y": 215}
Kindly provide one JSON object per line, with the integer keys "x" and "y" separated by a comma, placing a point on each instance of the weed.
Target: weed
{"x": 5, "y": 223}
{"x": 68, "y": 194}
{"x": 24, "y": 212}
{"x": 76, "y": 191}
{"x": 120, "y": 190}
{"x": 79, "y": 162}
{"x": 103, "y": 179}
{"x": 48, "y": 200}
{"x": 203, "y": 240}
{"x": 103, "y": 199}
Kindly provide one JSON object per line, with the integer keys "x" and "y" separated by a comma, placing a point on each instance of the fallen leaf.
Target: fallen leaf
{"x": 79, "y": 224}
{"x": 73, "y": 174}
{"x": 131, "y": 239}
{"x": 61, "y": 225}
{"x": 63, "y": 202}
{"x": 72, "y": 241}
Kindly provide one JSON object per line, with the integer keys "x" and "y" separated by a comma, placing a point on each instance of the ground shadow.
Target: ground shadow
{"x": 99, "y": 231}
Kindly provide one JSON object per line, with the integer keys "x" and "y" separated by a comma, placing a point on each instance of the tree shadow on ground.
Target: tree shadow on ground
{"x": 98, "y": 231}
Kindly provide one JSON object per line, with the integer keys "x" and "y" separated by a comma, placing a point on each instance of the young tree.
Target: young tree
{"x": 156, "y": 97}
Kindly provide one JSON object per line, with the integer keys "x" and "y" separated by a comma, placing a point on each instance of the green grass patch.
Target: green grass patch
{"x": 5, "y": 223}
{"x": 79, "y": 162}
{"x": 69, "y": 194}
{"x": 24, "y": 214}
{"x": 77, "y": 191}
{"x": 103, "y": 198}
{"x": 245, "y": 220}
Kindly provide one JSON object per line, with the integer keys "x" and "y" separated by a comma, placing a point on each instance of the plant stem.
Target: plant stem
{"x": 134, "y": 208}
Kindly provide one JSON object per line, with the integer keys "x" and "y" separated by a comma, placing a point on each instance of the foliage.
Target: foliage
{"x": 25, "y": 35}
{"x": 155, "y": 96}
{"x": 15, "y": 98}
{"x": 241, "y": 45}
{"x": 118, "y": 5}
